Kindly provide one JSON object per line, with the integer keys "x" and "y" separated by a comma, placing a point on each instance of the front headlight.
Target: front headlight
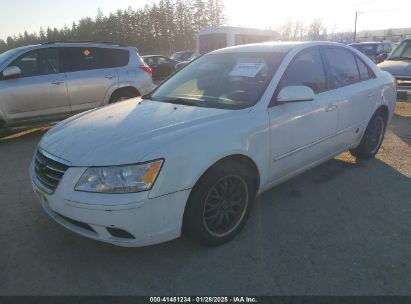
{"x": 120, "y": 179}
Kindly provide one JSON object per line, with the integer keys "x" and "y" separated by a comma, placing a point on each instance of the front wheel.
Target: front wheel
{"x": 219, "y": 205}
{"x": 372, "y": 138}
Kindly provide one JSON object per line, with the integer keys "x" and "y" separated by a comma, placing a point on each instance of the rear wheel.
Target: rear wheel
{"x": 372, "y": 138}
{"x": 122, "y": 95}
{"x": 219, "y": 205}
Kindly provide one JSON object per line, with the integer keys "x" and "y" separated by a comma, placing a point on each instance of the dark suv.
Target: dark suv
{"x": 376, "y": 51}
{"x": 399, "y": 65}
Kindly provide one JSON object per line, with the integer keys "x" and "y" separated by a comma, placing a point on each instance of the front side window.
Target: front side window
{"x": 211, "y": 42}
{"x": 39, "y": 62}
{"x": 223, "y": 80}
{"x": 343, "y": 67}
{"x": 84, "y": 59}
{"x": 306, "y": 69}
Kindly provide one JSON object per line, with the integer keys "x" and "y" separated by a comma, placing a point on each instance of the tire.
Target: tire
{"x": 372, "y": 139}
{"x": 122, "y": 95}
{"x": 219, "y": 204}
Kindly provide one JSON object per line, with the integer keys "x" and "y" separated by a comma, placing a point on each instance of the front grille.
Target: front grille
{"x": 403, "y": 81}
{"x": 48, "y": 171}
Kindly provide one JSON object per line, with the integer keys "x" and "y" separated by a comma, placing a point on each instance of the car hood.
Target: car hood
{"x": 396, "y": 67}
{"x": 125, "y": 132}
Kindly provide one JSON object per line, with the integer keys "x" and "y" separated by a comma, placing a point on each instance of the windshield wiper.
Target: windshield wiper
{"x": 185, "y": 102}
{"x": 147, "y": 97}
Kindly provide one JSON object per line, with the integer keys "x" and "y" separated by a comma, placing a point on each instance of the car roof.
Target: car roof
{"x": 183, "y": 52}
{"x": 72, "y": 44}
{"x": 88, "y": 44}
{"x": 368, "y": 43}
{"x": 280, "y": 46}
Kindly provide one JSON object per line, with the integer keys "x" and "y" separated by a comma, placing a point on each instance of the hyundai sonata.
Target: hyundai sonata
{"x": 190, "y": 157}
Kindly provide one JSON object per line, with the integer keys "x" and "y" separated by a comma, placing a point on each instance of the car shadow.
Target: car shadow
{"x": 401, "y": 126}
{"x": 340, "y": 228}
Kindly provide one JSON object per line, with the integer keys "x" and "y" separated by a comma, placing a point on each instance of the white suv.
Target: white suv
{"x": 191, "y": 156}
{"x": 58, "y": 79}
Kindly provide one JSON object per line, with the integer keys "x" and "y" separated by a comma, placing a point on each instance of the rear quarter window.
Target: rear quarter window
{"x": 364, "y": 70}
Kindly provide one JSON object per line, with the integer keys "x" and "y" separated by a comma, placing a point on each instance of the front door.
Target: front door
{"x": 303, "y": 132}
{"x": 40, "y": 91}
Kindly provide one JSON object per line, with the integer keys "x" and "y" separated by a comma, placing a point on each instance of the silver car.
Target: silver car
{"x": 55, "y": 80}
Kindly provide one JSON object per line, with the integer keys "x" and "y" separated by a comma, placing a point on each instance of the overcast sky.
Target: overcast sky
{"x": 19, "y": 15}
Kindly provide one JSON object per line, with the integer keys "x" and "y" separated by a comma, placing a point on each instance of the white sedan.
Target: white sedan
{"x": 190, "y": 157}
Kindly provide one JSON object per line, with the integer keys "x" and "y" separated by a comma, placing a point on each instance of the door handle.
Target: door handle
{"x": 371, "y": 95}
{"x": 57, "y": 82}
{"x": 110, "y": 76}
{"x": 331, "y": 107}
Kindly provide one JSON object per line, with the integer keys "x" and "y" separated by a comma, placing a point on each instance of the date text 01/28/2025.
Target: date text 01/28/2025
{"x": 203, "y": 300}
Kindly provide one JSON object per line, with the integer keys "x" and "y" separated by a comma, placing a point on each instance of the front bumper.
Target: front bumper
{"x": 129, "y": 220}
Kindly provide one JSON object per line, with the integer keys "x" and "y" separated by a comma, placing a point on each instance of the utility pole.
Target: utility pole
{"x": 355, "y": 26}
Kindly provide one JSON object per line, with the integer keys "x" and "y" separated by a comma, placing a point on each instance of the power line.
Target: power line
{"x": 387, "y": 10}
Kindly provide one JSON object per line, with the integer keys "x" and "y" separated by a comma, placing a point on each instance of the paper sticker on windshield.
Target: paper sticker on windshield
{"x": 247, "y": 69}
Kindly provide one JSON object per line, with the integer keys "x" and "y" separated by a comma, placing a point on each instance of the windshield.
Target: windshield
{"x": 403, "y": 51}
{"x": 222, "y": 80}
{"x": 6, "y": 55}
{"x": 211, "y": 42}
{"x": 367, "y": 49}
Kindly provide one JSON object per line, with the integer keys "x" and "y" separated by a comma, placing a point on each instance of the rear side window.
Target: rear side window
{"x": 306, "y": 70}
{"x": 343, "y": 67}
{"x": 84, "y": 59}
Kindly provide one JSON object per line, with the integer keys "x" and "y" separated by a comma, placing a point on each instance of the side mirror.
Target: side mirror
{"x": 11, "y": 72}
{"x": 295, "y": 94}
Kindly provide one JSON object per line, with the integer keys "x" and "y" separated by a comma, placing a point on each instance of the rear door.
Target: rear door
{"x": 40, "y": 91}
{"x": 91, "y": 73}
{"x": 355, "y": 83}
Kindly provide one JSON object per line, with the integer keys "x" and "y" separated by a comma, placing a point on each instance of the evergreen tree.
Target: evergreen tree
{"x": 161, "y": 27}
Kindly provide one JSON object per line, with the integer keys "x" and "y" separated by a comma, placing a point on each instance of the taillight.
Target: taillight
{"x": 147, "y": 69}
